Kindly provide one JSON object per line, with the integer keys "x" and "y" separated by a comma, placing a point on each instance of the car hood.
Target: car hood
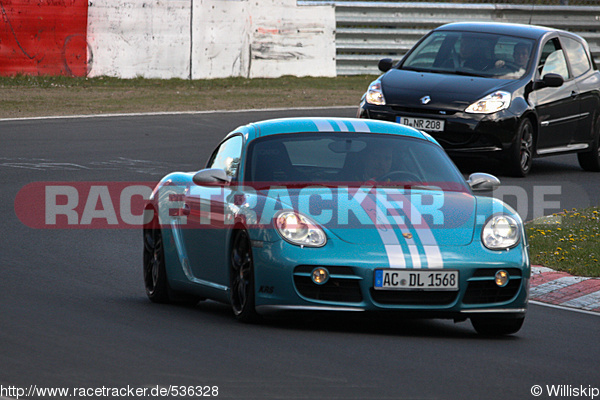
{"x": 384, "y": 215}
{"x": 447, "y": 91}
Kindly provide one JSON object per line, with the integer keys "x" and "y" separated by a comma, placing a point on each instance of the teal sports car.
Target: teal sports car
{"x": 322, "y": 215}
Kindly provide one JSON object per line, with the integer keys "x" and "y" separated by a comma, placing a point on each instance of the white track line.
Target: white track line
{"x": 539, "y": 303}
{"x": 171, "y": 113}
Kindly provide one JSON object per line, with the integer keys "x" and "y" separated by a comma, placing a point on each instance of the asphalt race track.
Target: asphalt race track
{"x": 73, "y": 312}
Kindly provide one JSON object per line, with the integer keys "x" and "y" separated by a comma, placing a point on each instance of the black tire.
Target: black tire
{"x": 497, "y": 326}
{"x": 241, "y": 276}
{"x": 155, "y": 275}
{"x": 521, "y": 154}
{"x": 590, "y": 160}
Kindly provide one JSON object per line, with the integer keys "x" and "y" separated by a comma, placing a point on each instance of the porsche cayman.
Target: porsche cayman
{"x": 346, "y": 215}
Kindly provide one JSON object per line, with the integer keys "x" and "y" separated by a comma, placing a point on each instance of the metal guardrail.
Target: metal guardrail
{"x": 367, "y": 31}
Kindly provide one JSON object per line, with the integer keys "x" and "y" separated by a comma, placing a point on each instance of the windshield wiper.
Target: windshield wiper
{"x": 466, "y": 73}
{"x": 432, "y": 71}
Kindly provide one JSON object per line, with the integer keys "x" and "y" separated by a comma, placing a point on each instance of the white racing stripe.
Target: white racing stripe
{"x": 323, "y": 125}
{"x": 393, "y": 248}
{"x": 430, "y": 246}
{"x": 388, "y": 207}
{"x": 341, "y": 125}
{"x": 360, "y": 126}
{"x": 414, "y": 254}
{"x": 395, "y": 255}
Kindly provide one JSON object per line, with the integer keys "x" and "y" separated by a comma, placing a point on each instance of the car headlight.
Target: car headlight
{"x": 491, "y": 103}
{"x": 375, "y": 94}
{"x": 299, "y": 229}
{"x": 500, "y": 232}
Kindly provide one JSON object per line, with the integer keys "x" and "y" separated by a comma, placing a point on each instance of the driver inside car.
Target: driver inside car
{"x": 376, "y": 163}
{"x": 521, "y": 53}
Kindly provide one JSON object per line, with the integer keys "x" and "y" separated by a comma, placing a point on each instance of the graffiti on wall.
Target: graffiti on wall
{"x": 44, "y": 37}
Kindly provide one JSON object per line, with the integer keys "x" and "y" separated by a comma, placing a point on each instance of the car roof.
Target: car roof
{"x": 307, "y": 124}
{"x": 520, "y": 30}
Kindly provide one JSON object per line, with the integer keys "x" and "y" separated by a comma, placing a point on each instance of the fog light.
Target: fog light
{"x": 502, "y": 278}
{"x": 320, "y": 275}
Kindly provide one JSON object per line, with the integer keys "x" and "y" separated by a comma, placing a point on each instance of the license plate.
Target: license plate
{"x": 402, "y": 279}
{"x": 431, "y": 125}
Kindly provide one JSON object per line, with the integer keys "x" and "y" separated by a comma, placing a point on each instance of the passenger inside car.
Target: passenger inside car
{"x": 472, "y": 54}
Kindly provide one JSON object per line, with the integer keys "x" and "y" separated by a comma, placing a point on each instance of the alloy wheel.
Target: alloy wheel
{"x": 242, "y": 279}
{"x": 526, "y": 147}
{"x": 155, "y": 277}
{"x": 241, "y": 268}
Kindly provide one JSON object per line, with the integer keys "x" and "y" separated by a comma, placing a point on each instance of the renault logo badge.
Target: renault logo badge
{"x": 425, "y": 100}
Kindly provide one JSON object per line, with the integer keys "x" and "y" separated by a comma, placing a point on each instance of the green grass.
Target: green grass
{"x": 567, "y": 241}
{"x": 28, "y": 96}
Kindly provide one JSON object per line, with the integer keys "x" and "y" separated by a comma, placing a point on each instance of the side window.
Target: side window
{"x": 580, "y": 63}
{"x": 556, "y": 64}
{"x": 227, "y": 156}
{"x": 553, "y": 60}
{"x": 425, "y": 55}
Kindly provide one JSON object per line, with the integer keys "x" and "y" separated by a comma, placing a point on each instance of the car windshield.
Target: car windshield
{"x": 344, "y": 158}
{"x": 471, "y": 53}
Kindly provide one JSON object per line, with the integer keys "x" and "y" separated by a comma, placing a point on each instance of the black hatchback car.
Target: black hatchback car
{"x": 510, "y": 91}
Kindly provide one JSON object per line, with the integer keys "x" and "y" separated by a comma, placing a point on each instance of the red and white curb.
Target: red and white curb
{"x": 562, "y": 289}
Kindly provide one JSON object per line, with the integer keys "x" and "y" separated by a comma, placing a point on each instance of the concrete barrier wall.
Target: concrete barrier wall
{"x": 291, "y": 40}
{"x": 148, "y": 38}
{"x": 269, "y": 38}
{"x": 43, "y": 37}
{"x": 202, "y": 39}
{"x": 221, "y": 39}
{"x": 185, "y": 39}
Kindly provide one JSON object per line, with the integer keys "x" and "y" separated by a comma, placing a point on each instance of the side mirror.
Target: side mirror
{"x": 549, "y": 80}
{"x": 211, "y": 177}
{"x": 385, "y": 64}
{"x": 480, "y": 182}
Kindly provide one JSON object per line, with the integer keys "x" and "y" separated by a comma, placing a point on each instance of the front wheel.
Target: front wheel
{"x": 242, "y": 278}
{"x": 155, "y": 275}
{"x": 497, "y": 326}
{"x": 521, "y": 153}
{"x": 590, "y": 160}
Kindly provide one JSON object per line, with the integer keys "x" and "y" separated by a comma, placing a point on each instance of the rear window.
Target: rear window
{"x": 578, "y": 58}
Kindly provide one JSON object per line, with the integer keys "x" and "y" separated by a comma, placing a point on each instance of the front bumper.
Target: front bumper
{"x": 282, "y": 281}
{"x": 464, "y": 134}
